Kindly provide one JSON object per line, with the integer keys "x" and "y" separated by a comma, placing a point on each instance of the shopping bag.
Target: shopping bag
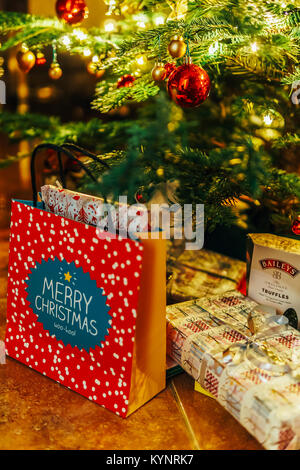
{"x": 87, "y": 309}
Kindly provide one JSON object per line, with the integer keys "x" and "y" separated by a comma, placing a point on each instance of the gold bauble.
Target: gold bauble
{"x": 93, "y": 69}
{"x": 26, "y": 60}
{"x": 55, "y": 72}
{"x": 159, "y": 72}
{"x": 177, "y": 47}
{"x": 99, "y": 73}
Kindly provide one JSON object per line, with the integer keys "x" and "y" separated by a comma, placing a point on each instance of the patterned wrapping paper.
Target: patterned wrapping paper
{"x": 84, "y": 208}
{"x": 208, "y": 339}
{"x": 203, "y": 274}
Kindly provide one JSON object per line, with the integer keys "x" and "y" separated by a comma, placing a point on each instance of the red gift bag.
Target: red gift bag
{"x": 85, "y": 309}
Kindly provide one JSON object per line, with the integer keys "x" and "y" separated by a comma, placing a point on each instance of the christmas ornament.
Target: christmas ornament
{"x": 169, "y": 68}
{"x": 40, "y": 59}
{"x": 72, "y": 11}
{"x": 188, "y": 85}
{"x": 296, "y": 226}
{"x": 177, "y": 47}
{"x": 159, "y": 72}
{"x": 55, "y": 72}
{"x": 26, "y": 60}
{"x": 139, "y": 197}
{"x": 93, "y": 69}
{"x": 125, "y": 81}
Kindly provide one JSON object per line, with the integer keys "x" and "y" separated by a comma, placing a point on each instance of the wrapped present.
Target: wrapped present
{"x": 88, "y": 209}
{"x": 202, "y": 390}
{"x": 172, "y": 368}
{"x": 202, "y": 274}
{"x": 247, "y": 360}
{"x": 274, "y": 274}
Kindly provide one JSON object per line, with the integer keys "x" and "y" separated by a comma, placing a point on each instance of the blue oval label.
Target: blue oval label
{"x": 68, "y": 303}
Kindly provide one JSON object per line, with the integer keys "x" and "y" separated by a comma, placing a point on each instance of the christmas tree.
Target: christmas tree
{"x": 210, "y": 90}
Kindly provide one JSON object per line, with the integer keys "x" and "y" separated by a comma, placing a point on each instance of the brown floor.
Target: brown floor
{"x": 37, "y": 413}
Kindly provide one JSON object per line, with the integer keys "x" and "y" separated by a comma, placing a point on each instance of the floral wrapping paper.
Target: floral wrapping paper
{"x": 203, "y": 273}
{"x": 201, "y": 337}
{"x": 84, "y": 208}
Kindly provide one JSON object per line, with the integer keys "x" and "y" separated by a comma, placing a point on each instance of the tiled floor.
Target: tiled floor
{"x": 37, "y": 413}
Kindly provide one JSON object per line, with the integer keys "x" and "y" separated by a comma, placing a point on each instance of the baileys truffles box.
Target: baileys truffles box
{"x": 274, "y": 274}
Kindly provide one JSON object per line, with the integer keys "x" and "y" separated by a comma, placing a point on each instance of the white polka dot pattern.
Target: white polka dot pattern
{"x": 103, "y": 375}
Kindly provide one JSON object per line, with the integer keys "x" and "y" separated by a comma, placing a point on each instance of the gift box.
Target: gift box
{"x": 274, "y": 274}
{"x": 88, "y": 209}
{"x": 203, "y": 273}
{"x": 247, "y": 360}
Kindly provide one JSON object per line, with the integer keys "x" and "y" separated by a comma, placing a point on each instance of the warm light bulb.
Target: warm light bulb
{"x": 110, "y": 26}
{"x": 87, "y": 52}
{"x": 66, "y": 40}
{"x": 80, "y": 35}
{"x": 141, "y": 20}
{"x": 213, "y": 48}
{"x": 140, "y": 60}
{"x": 254, "y": 47}
{"x": 268, "y": 119}
{"x": 158, "y": 20}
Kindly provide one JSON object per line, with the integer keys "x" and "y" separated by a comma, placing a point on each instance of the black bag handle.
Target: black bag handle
{"x": 66, "y": 149}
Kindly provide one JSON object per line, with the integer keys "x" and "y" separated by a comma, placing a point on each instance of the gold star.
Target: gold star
{"x": 68, "y": 276}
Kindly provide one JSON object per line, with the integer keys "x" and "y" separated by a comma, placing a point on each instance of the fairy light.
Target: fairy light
{"x": 79, "y": 34}
{"x": 159, "y": 20}
{"x": 87, "y": 52}
{"x": 141, "y": 20}
{"x": 213, "y": 48}
{"x": 254, "y": 47}
{"x": 268, "y": 119}
{"x": 66, "y": 41}
{"x": 141, "y": 60}
{"x": 110, "y": 26}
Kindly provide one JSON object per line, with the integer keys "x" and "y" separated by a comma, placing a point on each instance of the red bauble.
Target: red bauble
{"x": 72, "y": 11}
{"x": 40, "y": 59}
{"x": 139, "y": 197}
{"x": 296, "y": 226}
{"x": 188, "y": 85}
{"x": 169, "y": 68}
{"x": 125, "y": 81}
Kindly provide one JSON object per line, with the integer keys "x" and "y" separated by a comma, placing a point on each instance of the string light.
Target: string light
{"x": 141, "y": 20}
{"x": 213, "y": 48}
{"x": 268, "y": 119}
{"x": 79, "y": 34}
{"x": 141, "y": 60}
{"x": 110, "y": 26}
{"x": 87, "y": 52}
{"x": 158, "y": 20}
{"x": 66, "y": 40}
{"x": 254, "y": 47}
